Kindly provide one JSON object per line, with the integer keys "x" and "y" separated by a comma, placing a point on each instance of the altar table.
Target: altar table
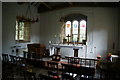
{"x": 59, "y": 46}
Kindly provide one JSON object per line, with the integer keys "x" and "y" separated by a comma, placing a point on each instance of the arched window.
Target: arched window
{"x": 75, "y": 29}
{"x": 82, "y": 30}
{"x": 67, "y": 29}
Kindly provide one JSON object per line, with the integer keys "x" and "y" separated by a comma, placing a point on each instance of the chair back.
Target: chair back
{"x": 56, "y": 57}
{"x": 73, "y": 60}
{"x": 25, "y": 54}
{"x": 43, "y": 77}
{"x": 69, "y": 68}
{"x": 68, "y": 71}
{"x": 53, "y": 71}
{"x": 5, "y": 57}
{"x": 20, "y": 60}
{"x": 29, "y": 75}
{"x": 87, "y": 73}
{"x": 88, "y": 62}
{"x": 52, "y": 66}
{"x": 12, "y": 59}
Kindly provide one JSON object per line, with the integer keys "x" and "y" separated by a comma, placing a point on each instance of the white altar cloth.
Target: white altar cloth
{"x": 66, "y": 46}
{"x": 53, "y": 46}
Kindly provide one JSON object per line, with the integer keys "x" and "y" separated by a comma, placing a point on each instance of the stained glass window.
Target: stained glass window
{"x": 67, "y": 29}
{"x": 75, "y": 31}
{"x": 82, "y": 30}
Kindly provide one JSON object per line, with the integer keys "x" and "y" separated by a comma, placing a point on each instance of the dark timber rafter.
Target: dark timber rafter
{"x": 70, "y": 3}
{"x": 46, "y": 5}
{"x": 50, "y": 6}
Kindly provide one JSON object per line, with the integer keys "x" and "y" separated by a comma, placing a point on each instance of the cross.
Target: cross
{"x": 68, "y": 38}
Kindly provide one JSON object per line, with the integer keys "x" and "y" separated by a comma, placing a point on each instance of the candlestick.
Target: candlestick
{"x": 50, "y": 42}
{"x": 60, "y": 38}
{"x": 55, "y": 39}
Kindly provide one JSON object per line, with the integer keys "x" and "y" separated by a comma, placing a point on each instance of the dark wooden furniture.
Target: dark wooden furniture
{"x": 5, "y": 58}
{"x": 37, "y": 50}
{"x": 29, "y": 75}
{"x": 8, "y": 71}
{"x": 45, "y": 77}
{"x": 36, "y": 62}
{"x": 68, "y": 72}
{"x": 82, "y": 61}
{"x": 53, "y": 71}
{"x": 73, "y": 60}
{"x": 87, "y": 73}
{"x": 88, "y": 62}
{"x": 75, "y": 52}
{"x": 109, "y": 70}
{"x": 12, "y": 59}
{"x": 56, "y": 57}
{"x": 25, "y": 54}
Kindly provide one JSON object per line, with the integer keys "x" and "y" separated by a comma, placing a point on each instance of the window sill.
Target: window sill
{"x": 22, "y": 41}
{"x": 73, "y": 43}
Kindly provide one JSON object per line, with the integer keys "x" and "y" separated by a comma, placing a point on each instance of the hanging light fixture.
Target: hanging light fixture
{"x": 28, "y": 17}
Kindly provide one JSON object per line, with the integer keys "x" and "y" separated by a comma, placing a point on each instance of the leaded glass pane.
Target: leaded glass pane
{"x": 16, "y": 36}
{"x": 21, "y": 37}
{"x": 16, "y": 33}
{"x": 67, "y": 29}
{"x": 21, "y": 25}
{"x": 75, "y": 27}
{"x": 75, "y": 30}
{"x": 16, "y": 25}
{"x": 82, "y": 30}
{"x": 75, "y": 37}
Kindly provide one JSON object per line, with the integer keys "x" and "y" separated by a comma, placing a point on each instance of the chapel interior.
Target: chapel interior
{"x": 60, "y": 41}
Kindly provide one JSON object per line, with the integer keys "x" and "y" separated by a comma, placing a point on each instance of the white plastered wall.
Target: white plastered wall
{"x": 102, "y": 29}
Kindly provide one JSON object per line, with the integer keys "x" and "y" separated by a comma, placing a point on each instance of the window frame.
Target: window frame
{"x": 71, "y": 38}
{"x": 71, "y": 17}
{"x": 18, "y": 20}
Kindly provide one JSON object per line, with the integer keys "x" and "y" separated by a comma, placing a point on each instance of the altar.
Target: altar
{"x": 55, "y": 48}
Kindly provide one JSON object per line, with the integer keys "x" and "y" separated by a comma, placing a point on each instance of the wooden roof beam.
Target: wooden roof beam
{"x": 70, "y": 3}
{"x": 32, "y": 3}
{"x": 47, "y": 5}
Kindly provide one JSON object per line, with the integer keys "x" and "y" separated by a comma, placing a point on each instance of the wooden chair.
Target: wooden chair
{"x": 12, "y": 59}
{"x": 87, "y": 73}
{"x": 53, "y": 71}
{"x": 73, "y": 60}
{"x": 43, "y": 77}
{"x": 25, "y": 54}
{"x": 88, "y": 62}
{"x": 67, "y": 72}
{"x": 29, "y": 75}
{"x": 20, "y": 63}
{"x": 7, "y": 68}
{"x": 29, "y": 55}
{"x": 13, "y": 63}
{"x": 109, "y": 71}
{"x": 7, "y": 71}
{"x": 5, "y": 58}
{"x": 56, "y": 57}
{"x": 19, "y": 60}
